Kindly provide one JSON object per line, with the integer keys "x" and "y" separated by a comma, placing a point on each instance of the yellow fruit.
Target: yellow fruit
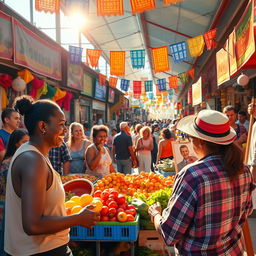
{"x": 75, "y": 199}
{"x": 76, "y": 209}
{"x": 85, "y": 199}
{"x": 98, "y": 205}
{"x": 70, "y": 204}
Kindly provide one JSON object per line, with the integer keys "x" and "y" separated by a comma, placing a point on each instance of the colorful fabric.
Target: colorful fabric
{"x": 161, "y": 84}
{"x": 189, "y": 99}
{"x": 113, "y": 81}
{"x": 173, "y": 82}
{"x": 196, "y": 45}
{"x": 92, "y": 57}
{"x": 5, "y": 80}
{"x": 50, "y": 92}
{"x": 110, "y": 7}
{"x": 142, "y": 5}
{"x": 42, "y": 91}
{"x": 137, "y": 58}
{"x": 136, "y": 96}
{"x": 167, "y": 2}
{"x": 179, "y": 51}
{"x": 117, "y": 63}
{"x": 210, "y": 39}
{"x": 59, "y": 94}
{"x": 209, "y": 207}
{"x": 151, "y": 95}
{"x": 171, "y": 92}
{"x": 52, "y": 6}
{"x": 137, "y": 87}
{"x": 82, "y": 5}
{"x": 160, "y": 59}
{"x": 191, "y": 73}
{"x": 148, "y": 86}
{"x": 183, "y": 77}
{"x": 4, "y": 98}
{"x": 36, "y": 84}
{"x": 158, "y": 93}
{"x": 26, "y": 75}
{"x": 125, "y": 85}
{"x": 66, "y": 101}
{"x": 75, "y": 54}
{"x": 102, "y": 79}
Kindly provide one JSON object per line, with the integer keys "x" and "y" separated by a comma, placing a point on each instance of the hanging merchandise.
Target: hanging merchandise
{"x": 158, "y": 93}
{"x": 26, "y": 75}
{"x": 137, "y": 58}
{"x": 136, "y": 96}
{"x": 18, "y": 84}
{"x": 42, "y": 91}
{"x": 173, "y": 82}
{"x": 92, "y": 57}
{"x": 160, "y": 59}
{"x": 191, "y": 73}
{"x": 50, "y": 92}
{"x": 196, "y": 45}
{"x": 75, "y": 54}
{"x": 67, "y": 101}
{"x": 113, "y": 81}
{"x": 117, "y": 63}
{"x": 189, "y": 99}
{"x": 125, "y": 85}
{"x": 142, "y": 5}
{"x": 5, "y": 80}
{"x": 148, "y": 86}
{"x": 36, "y": 85}
{"x": 137, "y": 87}
{"x": 52, "y": 6}
{"x": 210, "y": 39}
{"x": 151, "y": 95}
{"x": 74, "y": 5}
{"x": 59, "y": 94}
{"x": 161, "y": 84}
{"x": 171, "y": 92}
{"x": 102, "y": 79}
{"x": 4, "y": 98}
{"x": 110, "y": 7}
{"x": 167, "y": 2}
{"x": 179, "y": 51}
{"x": 183, "y": 77}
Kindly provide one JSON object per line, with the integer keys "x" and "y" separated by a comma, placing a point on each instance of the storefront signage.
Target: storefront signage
{"x": 222, "y": 65}
{"x": 37, "y": 54}
{"x": 6, "y": 38}
{"x": 87, "y": 85}
{"x": 111, "y": 96}
{"x": 197, "y": 92}
{"x": 245, "y": 45}
{"x": 75, "y": 76}
{"x": 100, "y": 91}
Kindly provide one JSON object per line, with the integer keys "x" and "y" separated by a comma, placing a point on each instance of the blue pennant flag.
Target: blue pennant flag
{"x": 124, "y": 84}
{"x": 148, "y": 86}
{"x": 151, "y": 95}
{"x": 179, "y": 51}
{"x": 161, "y": 84}
{"x": 75, "y": 54}
{"x": 137, "y": 58}
{"x": 81, "y": 5}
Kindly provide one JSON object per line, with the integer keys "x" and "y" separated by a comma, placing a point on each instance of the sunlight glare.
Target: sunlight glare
{"x": 77, "y": 20}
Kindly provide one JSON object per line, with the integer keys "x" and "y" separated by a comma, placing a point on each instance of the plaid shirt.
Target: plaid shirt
{"x": 58, "y": 156}
{"x": 206, "y": 211}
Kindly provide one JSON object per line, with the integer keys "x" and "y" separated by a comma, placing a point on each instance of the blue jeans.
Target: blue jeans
{"x": 124, "y": 166}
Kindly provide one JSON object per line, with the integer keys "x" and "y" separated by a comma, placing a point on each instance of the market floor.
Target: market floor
{"x": 252, "y": 226}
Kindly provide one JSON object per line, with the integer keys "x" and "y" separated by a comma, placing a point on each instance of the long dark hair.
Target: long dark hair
{"x": 231, "y": 155}
{"x": 15, "y": 137}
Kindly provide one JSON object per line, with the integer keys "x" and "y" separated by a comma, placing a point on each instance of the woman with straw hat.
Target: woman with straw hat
{"x": 211, "y": 197}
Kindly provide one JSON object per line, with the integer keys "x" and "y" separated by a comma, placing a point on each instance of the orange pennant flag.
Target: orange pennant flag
{"x": 92, "y": 57}
{"x": 110, "y": 7}
{"x": 196, "y": 45}
{"x": 158, "y": 93}
{"x": 167, "y": 2}
{"x": 52, "y": 6}
{"x": 113, "y": 81}
{"x": 160, "y": 59}
{"x": 191, "y": 73}
{"x": 117, "y": 63}
{"x": 142, "y": 5}
{"x": 102, "y": 79}
{"x": 173, "y": 82}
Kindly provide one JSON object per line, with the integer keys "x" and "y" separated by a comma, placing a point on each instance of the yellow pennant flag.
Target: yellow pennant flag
{"x": 196, "y": 45}
{"x": 117, "y": 63}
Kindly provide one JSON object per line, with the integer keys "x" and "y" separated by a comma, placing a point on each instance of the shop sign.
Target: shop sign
{"x": 75, "y": 76}
{"x": 197, "y": 92}
{"x": 100, "y": 91}
{"x": 245, "y": 46}
{"x": 97, "y": 105}
{"x": 35, "y": 53}
{"x": 87, "y": 85}
{"x": 111, "y": 96}
{"x": 6, "y": 38}
{"x": 222, "y": 65}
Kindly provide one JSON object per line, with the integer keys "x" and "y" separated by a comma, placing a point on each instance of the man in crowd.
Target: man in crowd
{"x": 242, "y": 120}
{"x": 187, "y": 159}
{"x": 11, "y": 120}
{"x": 123, "y": 150}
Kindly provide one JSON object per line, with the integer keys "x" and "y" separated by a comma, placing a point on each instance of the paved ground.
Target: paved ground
{"x": 252, "y": 226}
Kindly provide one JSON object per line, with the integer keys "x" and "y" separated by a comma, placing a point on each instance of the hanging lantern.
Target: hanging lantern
{"x": 18, "y": 84}
{"x": 243, "y": 80}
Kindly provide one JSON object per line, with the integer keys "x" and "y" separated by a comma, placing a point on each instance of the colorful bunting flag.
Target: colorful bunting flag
{"x": 183, "y": 77}
{"x": 148, "y": 86}
{"x": 113, "y": 81}
{"x": 161, "y": 84}
{"x": 92, "y": 57}
{"x": 167, "y": 2}
{"x": 137, "y": 87}
{"x": 125, "y": 84}
{"x": 52, "y": 6}
{"x": 142, "y": 5}
{"x": 191, "y": 73}
{"x": 171, "y": 92}
{"x": 110, "y": 7}
{"x": 210, "y": 39}
{"x": 160, "y": 59}
{"x": 137, "y": 58}
{"x": 81, "y": 5}
{"x": 117, "y": 63}
{"x": 196, "y": 45}
{"x": 179, "y": 51}
{"x": 75, "y": 54}
{"x": 102, "y": 79}
{"x": 150, "y": 95}
{"x": 173, "y": 82}
{"x": 158, "y": 93}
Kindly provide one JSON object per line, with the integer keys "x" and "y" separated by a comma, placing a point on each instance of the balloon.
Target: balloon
{"x": 18, "y": 84}
{"x": 243, "y": 80}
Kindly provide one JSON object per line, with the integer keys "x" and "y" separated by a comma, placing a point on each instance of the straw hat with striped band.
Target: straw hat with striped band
{"x": 209, "y": 125}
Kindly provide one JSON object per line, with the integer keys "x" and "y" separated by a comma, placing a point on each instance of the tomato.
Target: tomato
{"x": 121, "y": 199}
{"x": 122, "y": 216}
{"x": 113, "y": 204}
{"x": 98, "y": 218}
{"x": 130, "y": 217}
{"x": 130, "y": 206}
{"x": 123, "y": 205}
{"x": 104, "y": 218}
{"x": 114, "y": 193}
{"x": 131, "y": 211}
{"x": 111, "y": 212}
{"x": 113, "y": 218}
{"x": 97, "y": 193}
{"x": 104, "y": 210}
{"x": 120, "y": 210}
{"x": 112, "y": 197}
{"x": 68, "y": 211}
{"x": 104, "y": 195}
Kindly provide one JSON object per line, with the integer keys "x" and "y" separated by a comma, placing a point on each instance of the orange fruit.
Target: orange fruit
{"x": 76, "y": 209}
{"x": 76, "y": 199}
{"x": 85, "y": 199}
{"x": 70, "y": 204}
{"x": 98, "y": 205}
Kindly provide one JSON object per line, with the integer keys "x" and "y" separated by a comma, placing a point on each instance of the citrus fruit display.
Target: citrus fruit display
{"x": 89, "y": 177}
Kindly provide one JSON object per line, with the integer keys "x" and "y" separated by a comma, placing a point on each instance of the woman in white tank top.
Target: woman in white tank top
{"x": 98, "y": 158}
